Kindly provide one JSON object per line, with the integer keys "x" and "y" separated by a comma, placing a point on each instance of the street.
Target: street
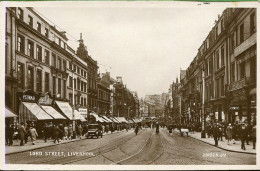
{"x": 126, "y": 148}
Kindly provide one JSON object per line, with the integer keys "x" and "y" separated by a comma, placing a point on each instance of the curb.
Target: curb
{"x": 252, "y": 153}
{"x": 15, "y": 152}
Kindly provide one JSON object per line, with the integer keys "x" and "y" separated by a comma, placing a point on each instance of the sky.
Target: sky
{"x": 146, "y": 46}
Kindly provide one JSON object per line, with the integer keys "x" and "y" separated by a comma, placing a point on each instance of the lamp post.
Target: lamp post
{"x": 73, "y": 97}
{"x": 128, "y": 112}
{"x": 202, "y": 107}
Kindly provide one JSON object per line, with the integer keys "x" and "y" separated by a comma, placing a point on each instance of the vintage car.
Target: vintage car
{"x": 93, "y": 131}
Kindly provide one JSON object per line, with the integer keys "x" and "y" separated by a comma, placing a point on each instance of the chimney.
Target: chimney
{"x": 119, "y": 80}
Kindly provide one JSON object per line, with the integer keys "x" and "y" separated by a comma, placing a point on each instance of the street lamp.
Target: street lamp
{"x": 202, "y": 107}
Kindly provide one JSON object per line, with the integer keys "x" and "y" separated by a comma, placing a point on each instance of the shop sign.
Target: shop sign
{"x": 83, "y": 111}
{"x": 234, "y": 108}
{"x": 29, "y": 96}
{"x": 46, "y": 100}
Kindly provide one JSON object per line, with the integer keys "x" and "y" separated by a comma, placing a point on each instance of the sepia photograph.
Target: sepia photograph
{"x": 132, "y": 84}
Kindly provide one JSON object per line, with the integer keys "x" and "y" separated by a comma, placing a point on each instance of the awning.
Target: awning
{"x": 67, "y": 110}
{"x": 130, "y": 121}
{"x": 9, "y": 114}
{"x": 54, "y": 113}
{"x": 121, "y": 119}
{"x": 109, "y": 120}
{"x": 37, "y": 111}
{"x": 115, "y": 120}
{"x": 98, "y": 119}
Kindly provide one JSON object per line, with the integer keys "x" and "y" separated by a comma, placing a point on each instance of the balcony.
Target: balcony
{"x": 245, "y": 45}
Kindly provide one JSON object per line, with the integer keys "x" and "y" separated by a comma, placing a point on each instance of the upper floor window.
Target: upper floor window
{"x": 30, "y": 48}
{"x": 252, "y": 24}
{"x": 46, "y": 32}
{"x": 222, "y": 56}
{"x": 20, "y": 44}
{"x": 20, "y": 75}
{"x": 47, "y": 57}
{"x": 64, "y": 64}
{"x": 53, "y": 60}
{"x": 217, "y": 60}
{"x": 39, "y": 81}
{"x": 38, "y": 27}
{"x": 59, "y": 63}
{"x": 39, "y": 53}
{"x": 20, "y": 13}
{"x": 30, "y": 22}
{"x": 62, "y": 44}
{"x": 241, "y": 33}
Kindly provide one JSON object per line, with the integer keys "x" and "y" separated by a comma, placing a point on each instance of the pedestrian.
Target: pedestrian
{"x": 66, "y": 132}
{"x": 80, "y": 129}
{"x": 229, "y": 133}
{"x": 248, "y": 132}
{"x": 6, "y": 133}
{"x": 243, "y": 135}
{"x": 10, "y": 134}
{"x": 56, "y": 133}
{"x": 33, "y": 134}
{"x": 234, "y": 132}
{"x": 61, "y": 127}
{"x": 70, "y": 132}
{"x": 216, "y": 133}
{"x": 253, "y": 134}
{"x": 22, "y": 133}
{"x": 220, "y": 132}
{"x": 170, "y": 129}
{"x": 45, "y": 132}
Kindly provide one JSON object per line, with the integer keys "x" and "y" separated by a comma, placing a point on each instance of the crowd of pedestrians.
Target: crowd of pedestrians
{"x": 54, "y": 132}
{"x": 232, "y": 132}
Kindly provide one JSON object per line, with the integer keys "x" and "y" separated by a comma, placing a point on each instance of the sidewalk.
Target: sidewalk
{"x": 39, "y": 143}
{"x": 223, "y": 144}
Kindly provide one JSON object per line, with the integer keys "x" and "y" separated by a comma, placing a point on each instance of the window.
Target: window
{"x": 62, "y": 44}
{"x": 70, "y": 81}
{"x": 241, "y": 33}
{"x": 232, "y": 72}
{"x": 47, "y": 82}
{"x": 53, "y": 60}
{"x": 70, "y": 65}
{"x": 82, "y": 72}
{"x": 81, "y": 101}
{"x": 39, "y": 81}
{"x": 85, "y": 74}
{"x": 222, "y": 56}
{"x": 47, "y": 57}
{"x": 30, "y": 22}
{"x": 82, "y": 85}
{"x": 253, "y": 65}
{"x": 85, "y": 102}
{"x": 38, "y": 27}
{"x": 46, "y": 32}
{"x": 78, "y": 84}
{"x": 206, "y": 69}
{"x": 59, "y": 86}
{"x": 216, "y": 32}
{"x": 242, "y": 70}
{"x": 64, "y": 65}
{"x": 54, "y": 85}
{"x": 20, "y": 13}
{"x": 30, "y": 48}
{"x": 74, "y": 83}
{"x": 252, "y": 24}
{"x": 70, "y": 98}
{"x": 217, "y": 60}
{"x": 56, "y": 39}
{"x": 232, "y": 42}
{"x": 78, "y": 70}
{"x": 64, "y": 88}
{"x": 20, "y": 44}
{"x": 222, "y": 86}
{"x": 39, "y": 53}
{"x": 59, "y": 63}
{"x": 20, "y": 75}
{"x": 30, "y": 79}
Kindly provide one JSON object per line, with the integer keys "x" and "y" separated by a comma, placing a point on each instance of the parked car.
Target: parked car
{"x": 93, "y": 131}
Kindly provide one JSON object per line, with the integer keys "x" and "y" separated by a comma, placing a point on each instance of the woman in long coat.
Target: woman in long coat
{"x": 229, "y": 133}
{"x": 34, "y": 134}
